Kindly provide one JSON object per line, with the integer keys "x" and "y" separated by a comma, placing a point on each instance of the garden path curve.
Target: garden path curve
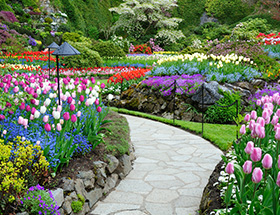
{"x": 171, "y": 169}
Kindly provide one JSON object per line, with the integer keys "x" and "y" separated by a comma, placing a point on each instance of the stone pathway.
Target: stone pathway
{"x": 171, "y": 169}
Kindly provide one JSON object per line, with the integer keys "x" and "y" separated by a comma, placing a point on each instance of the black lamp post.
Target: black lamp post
{"x": 64, "y": 50}
{"x": 52, "y": 46}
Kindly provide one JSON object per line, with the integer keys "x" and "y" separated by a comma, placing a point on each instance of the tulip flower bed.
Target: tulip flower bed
{"x": 229, "y": 68}
{"x": 88, "y": 72}
{"x": 30, "y": 109}
{"x": 269, "y": 39}
{"x": 185, "y": 84}
{"x": 124, "y": 80}
{"x": 251, "y": 185}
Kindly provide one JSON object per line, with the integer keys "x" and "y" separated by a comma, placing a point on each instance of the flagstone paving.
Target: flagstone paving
{"x": 169, "y": 174}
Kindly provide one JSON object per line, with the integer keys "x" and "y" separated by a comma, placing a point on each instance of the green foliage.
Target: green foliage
{"x": 4, "y": 6}
{"x": 108, "y": 49}
{"x": 71, "y": 36}
{"x": 18, "y": 9}
{"x": 76, "y": 206}
{"x": 21, "y": 165}
{"x": 87, "y": 58}
{"x": 249, "y": 29}
{"x": 81, "y": 198}
{"x": 175, "y": 47}
{"x": 228, "y": 11}
{"x": 212, "y": 30}
{"x": 216, "y": 114}
{"x": 93, "y": 32}
{"x": 48, "y": 20}
{"x": 28, "y": 3}
{"x": 191, "y": 50}
{"x": 47, "y": 28}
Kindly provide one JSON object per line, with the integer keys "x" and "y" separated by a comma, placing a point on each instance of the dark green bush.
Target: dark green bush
{"x": 212, "y": 30}
{"x": 47, "y": 28}
{"x": 71, "y": 36}
{"x": 93, "y": 32}
{"x": 108, "y": 49}
{"x": 87, "y": 58}
{"x": 48, "y": 20}
{"x": 64, "y": 28}
{"x": 215, "y": 114}
{"x": 175, "y": 47}
{"x": 4, "y": 6}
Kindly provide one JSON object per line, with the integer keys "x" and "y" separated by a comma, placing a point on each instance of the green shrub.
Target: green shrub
{"x": 71, "y": 36}
{"x": 174, "y": 47}
{"x": 108, "y": 49}
{"x": 93, "y": 32}
{"x": 228, "y": 11}
{"x": 4, "y": 6}
{"x": 76, "y": 206}
{"x": 249, "y": 29}
{"x": 47, "y": 28}
{"x": 64, "y": 28}
{"x": 48, "y": 20}
{"x": 216, "y": 114}
{"x": 212, "y": 30}
{"x": 191, "y": 50}
{"x": 87, "y": 58}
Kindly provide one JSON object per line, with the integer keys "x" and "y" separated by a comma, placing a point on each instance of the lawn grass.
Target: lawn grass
{"x": 220, "y": 135}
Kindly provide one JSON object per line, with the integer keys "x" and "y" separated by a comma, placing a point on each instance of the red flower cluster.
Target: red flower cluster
{"x": 269, "y": 39}
{"x": 130, "y": 75}
{"x": 30, "y": 56}
{"x": 143, "y": 48}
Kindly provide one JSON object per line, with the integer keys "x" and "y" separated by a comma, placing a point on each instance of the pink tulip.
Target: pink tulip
{"x": 2, "y": 117}
{"x": 247, "y": 118}
{"x": 33, "y": 110}
{"x": 278, "y": 179}
{"x": 99, "y": 109}
{"x": 252, "y": 124}
{"x": 242, "y": 129}
{"x": 257, "y": 175}
{"x": 20, "y": 120}
{"x": 73, "y": 118}
{"x": 22, "y": 106}
{"x": 277, "y": 134}
{"x": 58, "y": 127}
{"x": 247, "y": 167}
{"x": 31, "y": 117}
{"x": 254, "y": 115}
{"x": 66, "y": 116}
{"x": 48, "y": 127}
{"x": 278, "y": 112}
{"x": 69, "y": 100}
{"x": 16, "y": 89}
{"x": 249, "y": 148}
{"x": 256, "y": 154}
{"x": 46, "y": 118}
{"x": 59, "y": 108}
{"x": 72, "y": 107}
{"x": 102, "y": 86}
{"x": 32, "y": 101}
{"x": 82, "y": 98}
{"x": 261, "y": 121}
{"x": 79, "y": 113}
{"x": 92, "y": 80}
{"x": 87, "y": 103}
{"x": 25, "y": 122}
{"x": 64, "y": 98}
{"x": 230, "y": 168}
{"x": 265, "y": 114}
{"x": 267, "y": 161}
{"x": 274, "y": 120}
{"x": 96, "y": 102}
{"x": 37, "y": 102}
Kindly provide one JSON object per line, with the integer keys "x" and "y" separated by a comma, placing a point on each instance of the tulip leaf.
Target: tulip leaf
{"x": 228, "y": 193}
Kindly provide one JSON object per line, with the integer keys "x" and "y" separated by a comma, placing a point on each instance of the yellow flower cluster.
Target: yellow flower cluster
{"x": 19, "y": 66}
{"x": 166, "y": 52}
{"x": 18, "y": 161}
{"x": 232, "y": 58}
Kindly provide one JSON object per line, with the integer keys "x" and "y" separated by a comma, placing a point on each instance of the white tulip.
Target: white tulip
{"x": 36, "y": 114}
{"x": 43, "y": 109}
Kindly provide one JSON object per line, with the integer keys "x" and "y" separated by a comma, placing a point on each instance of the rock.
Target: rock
{"x": 258, "y": 83}
{"x": 205, "y": 18}
{"x": 67, "y": 205}
{"x": 61, "y": 211}
{"x": 86, "y": 174}
{"x": 101, "y": 176}
{"x": 113, "y": 163}
{"x": 110, "y": 183}
{"x": 243, "y": 92}
{"x": 93, "y": 196}
{"x": 74, "y": 196}
{"x": 80, "y": 188}
{"x": 98, "y": 164}
{"x": 89, "y": 184}
{"x": 68, "y": 185}
{"x": 167, "y": 115}
{"x": 210, "y": 93}
{"x": 163, "y": 106}
{"x": 245, "y": 85}
{"x": 58, "y": 196}
{"x": 125, "y": 166}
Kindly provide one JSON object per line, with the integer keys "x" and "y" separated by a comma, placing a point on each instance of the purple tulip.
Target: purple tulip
{"x": 267, "y": 161}
{"x": 73, "y": 118}
{"x": 242, "y": 129}
{"x": 277, "y": 133}
{"x": 66, "y": 116}
{"x": 48, "y": 127}
{"x": 92, "y": 80}
{"x": 102, "y": 85}
{"x": 256, "y": 154}
{"x": 96, "y": 102}
{"x": 22, "y": 106}
{"x": 230, "y": 168}
{"x": 247, "y": 167}
{"x": 28, "y": 108}
{"x": 99, "y": 109}
{"x": 257, "y": 175}
{"x": 33, "y": 110}
{"x": 249, "y": 148}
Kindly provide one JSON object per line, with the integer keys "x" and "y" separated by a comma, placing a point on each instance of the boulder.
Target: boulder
{"x": 68, "y": 185}
{"x": 67, "y": 205}
{"x": 86, "y": 175}
{"x": 111, "y": 183}
{"x": 113, "y": 163}
{"x": 93, "y": 196}
{"x": 58, "y": 196}
{"x": 125, "y": 166}
{"x": 205, "y": 18}
{"x": 80, "y": 188}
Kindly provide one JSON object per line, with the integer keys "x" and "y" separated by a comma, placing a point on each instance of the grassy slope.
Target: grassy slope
{"x": 220, "y": 135}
